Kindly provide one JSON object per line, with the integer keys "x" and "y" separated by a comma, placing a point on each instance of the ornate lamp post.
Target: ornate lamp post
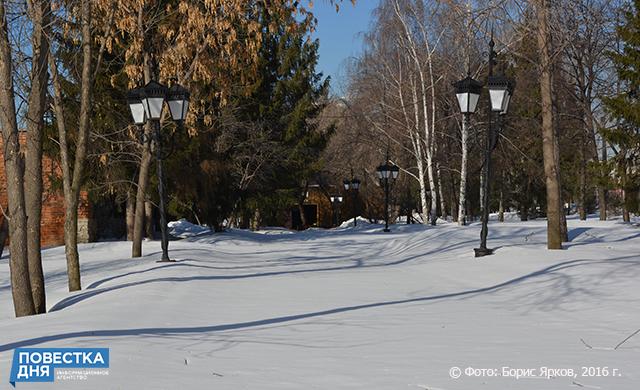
{"x": 387, "y": 172}
{"x": 354, "y": 186}
{"x": 468, "y": 93}
{"x": 146, "y": 105}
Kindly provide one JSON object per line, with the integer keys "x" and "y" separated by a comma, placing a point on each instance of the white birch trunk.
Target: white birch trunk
{"x": 463, "y": 173}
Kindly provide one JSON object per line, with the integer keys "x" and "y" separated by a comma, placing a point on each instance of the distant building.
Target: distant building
{"x": 317, "y": 210}
{"x": 52, "y": 225}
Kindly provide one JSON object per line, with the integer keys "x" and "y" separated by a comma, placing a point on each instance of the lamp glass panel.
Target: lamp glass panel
{"x": 145, "y": 105}
{"x": 185, "y": 109}
{"x": 473, "y": 102}
{"x": 497, "y": 98}
{"x": 153, "y": 107}
{"x": 176, "y": 109}
{"x": 137, "y": 112}
{"x": 395, "y": 173}
{"x": 468, "y": 102}
{"x": 505, "y": 104}
{"x": 463, "y": 99}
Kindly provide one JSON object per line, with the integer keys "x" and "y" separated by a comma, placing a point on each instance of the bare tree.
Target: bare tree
{"x": 19, "y": 263}
{"x": 587, "y": 30}
{"x": 73, "y": 175}
{"x": 40, "y": 15}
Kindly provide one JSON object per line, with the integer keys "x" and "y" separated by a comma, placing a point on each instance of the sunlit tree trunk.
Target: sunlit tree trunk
{"x": 39, "y": 11}
{"x": 148, "y": 216}
{"x": 549, "y": 137}
{"x": 463, "y": 171}
{"x": 14, "y": 171}
{"x": 145, "y": 161}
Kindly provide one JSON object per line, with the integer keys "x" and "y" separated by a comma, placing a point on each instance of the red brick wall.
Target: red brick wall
{"x": 52, "y": 225}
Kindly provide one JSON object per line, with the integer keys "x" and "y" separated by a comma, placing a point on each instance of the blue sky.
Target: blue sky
{"x": 340, "y": 36}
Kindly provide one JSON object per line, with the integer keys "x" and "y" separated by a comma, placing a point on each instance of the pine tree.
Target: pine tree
{"x": 286, "y": 99}
{"x": 625, "y": 106}
{"x": 260, "y": 146}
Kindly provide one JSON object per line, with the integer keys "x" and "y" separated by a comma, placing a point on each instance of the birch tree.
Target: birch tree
{"x": 417, "y": 41}
{"x": 385, "y": 78}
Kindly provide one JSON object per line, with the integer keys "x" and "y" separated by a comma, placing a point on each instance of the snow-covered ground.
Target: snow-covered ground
{"x": 347, "y": 309}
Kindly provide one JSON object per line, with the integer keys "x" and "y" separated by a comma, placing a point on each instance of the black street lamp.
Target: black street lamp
{"x": 146, "y": 105}
{"x": 500, "y": 91}
{"x": 354, "y": 186}
{"x": 335, "y": 202}
{"x": 387, "y": 172}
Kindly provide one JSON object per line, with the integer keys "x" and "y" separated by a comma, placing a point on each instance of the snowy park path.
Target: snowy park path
{"x": 347, "y": 309}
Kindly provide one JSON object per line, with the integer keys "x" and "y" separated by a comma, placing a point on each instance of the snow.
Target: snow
{"x": 346, "y": 309}
{"x": 186, "y": 229}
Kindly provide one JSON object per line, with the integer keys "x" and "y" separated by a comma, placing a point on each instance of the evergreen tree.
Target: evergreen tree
{"x": 253, "y": 157}
{"x": 625, "y": 107}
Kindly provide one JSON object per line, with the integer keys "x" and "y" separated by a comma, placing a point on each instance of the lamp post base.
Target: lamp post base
{"x": 166, "y": 261}
{"x": 482, "y": 251}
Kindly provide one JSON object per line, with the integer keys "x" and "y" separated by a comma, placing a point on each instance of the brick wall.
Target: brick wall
{"x": 52, "y": 226}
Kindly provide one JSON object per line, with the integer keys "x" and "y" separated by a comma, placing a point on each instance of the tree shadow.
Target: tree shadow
{"x": 357, "y": 263}
{"x": 158, "y": 331}
{"x": 573, "y": 233}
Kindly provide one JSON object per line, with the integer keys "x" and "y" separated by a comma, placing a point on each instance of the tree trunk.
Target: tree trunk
{"x": 443, "y": 204}
{"x": 39, "y": 11}
{"x": 453, "y": 200}
{"x": 255, "y": 223}
{"x": 549, "y": 137}
{"x": 148, "y": 219}
{"x": 626, "y": 217}
{"x": 4, "y": 233}
{"x": 600, "y": 185}
{"x": 432, "y": 184}
{"x": 463, "y": 171}
{"x": 417, "y": 143}
{"x": 71, "y": 212}
{"x": 564, "y": 231}
{"x": 143, "y": 181}
{"x": 145, "y": 162}
{"x": 130, "y": 214}
{"x": 582, "y": 185}
{"x": 72, "y": 180}
{"x": 71, "y": 244}
{"x": 602, "y": 189}
{"x": 501, "y": 209}
{"x": 14, "y": 171}
{"x": 301, "y": 199}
